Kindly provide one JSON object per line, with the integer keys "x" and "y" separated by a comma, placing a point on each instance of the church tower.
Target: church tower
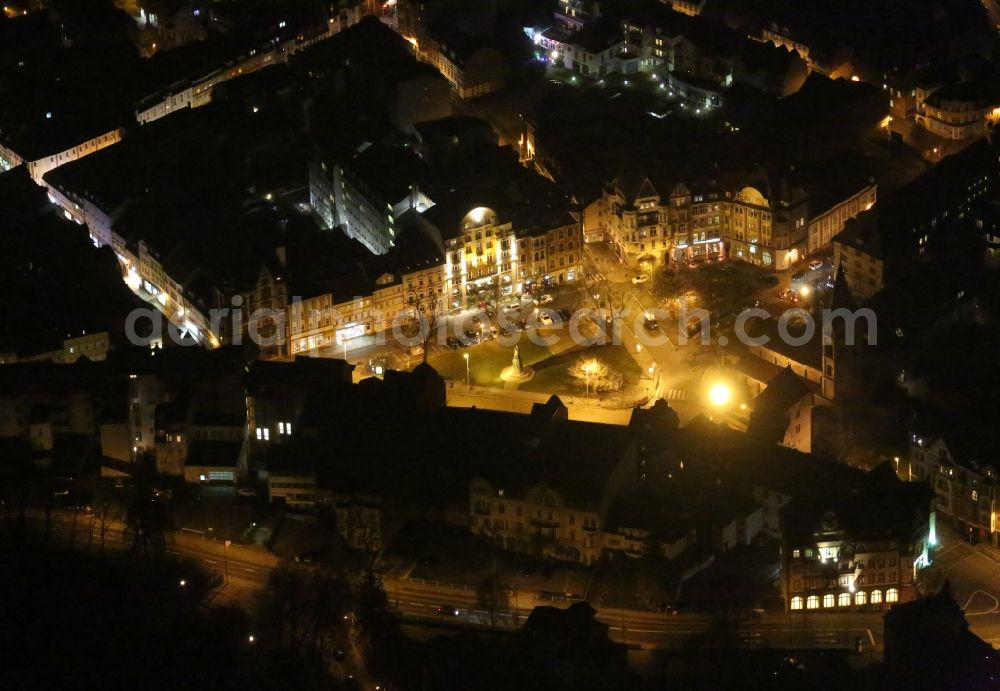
{"x": 834, "y": 347}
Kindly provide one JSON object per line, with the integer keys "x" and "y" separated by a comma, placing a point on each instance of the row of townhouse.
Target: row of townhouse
{"x": 196, "y": 90}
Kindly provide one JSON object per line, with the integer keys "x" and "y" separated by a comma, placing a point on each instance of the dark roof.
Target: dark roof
{"x": 49, "y": 105}
{"x": 810, "y": 353}
{"x": 896, "y": 223}
{"x": 385, "y": 171}
{"x": 782, "y": 392}
{"x": 202, "y": 452}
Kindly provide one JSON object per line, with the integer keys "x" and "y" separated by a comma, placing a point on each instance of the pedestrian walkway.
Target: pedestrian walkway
{"x": 676, "y": 395}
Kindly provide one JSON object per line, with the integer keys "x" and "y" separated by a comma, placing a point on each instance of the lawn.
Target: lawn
{"x": 552, "y": 376}
{"x": 486, "y": 360}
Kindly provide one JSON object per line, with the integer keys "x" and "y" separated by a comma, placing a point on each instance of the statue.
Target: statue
{"x": 517, "y": 372}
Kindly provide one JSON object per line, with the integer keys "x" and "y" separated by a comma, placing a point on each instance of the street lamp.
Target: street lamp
{"x": 720, "y": 394}
{"x": 182, "y": 583}
{"x": 468, "y": 373}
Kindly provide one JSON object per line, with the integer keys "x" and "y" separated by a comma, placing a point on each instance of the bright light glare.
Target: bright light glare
{"x": 719, "y": 394}
{"x": 804, "y": 291}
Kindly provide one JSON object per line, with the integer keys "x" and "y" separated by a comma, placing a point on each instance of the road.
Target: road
{"x": 245, "y": 570}
{"x": 974, "y": 574}
{"x": 420, "y": 600}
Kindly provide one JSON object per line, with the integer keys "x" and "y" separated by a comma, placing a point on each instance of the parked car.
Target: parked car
{"x": 640, "y": 278}
{"x": 472, "y": 336}
{"x": 522, "y": 324}
{"x": 650, "y": 323}
{"x": 815, "y": 264}
{"x": 545, "y": 318}
{"x": 545, "y": 298}
{"x": 453, "y": 343}
{"x": 448, "y": 610}
{"x": 505, "y": 332}
{"x": 565, "y": 314}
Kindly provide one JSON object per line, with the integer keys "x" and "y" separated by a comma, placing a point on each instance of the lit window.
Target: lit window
{"x": 796, "y": 553}
{"x": 876, "y": 597}
{"x": 812, "y": 602}
{"x": 260, "y": 433}
{"x": 892, "y": 595}
{"x": 844, "y": 600}
{"x": 860, "y": 598}
{"x": 828, "y": 600}
{"x": 796, "y": 602}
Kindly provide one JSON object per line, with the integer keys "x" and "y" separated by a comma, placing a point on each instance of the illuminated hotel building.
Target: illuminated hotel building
{"x": 490, "y": 254}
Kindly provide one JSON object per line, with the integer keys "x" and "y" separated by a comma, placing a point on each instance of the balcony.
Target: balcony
{"x": 544, "y": 522}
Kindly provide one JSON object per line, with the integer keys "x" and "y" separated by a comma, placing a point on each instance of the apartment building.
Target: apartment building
{"x": 859, "y": 550}
{"x": 705, "y": 221}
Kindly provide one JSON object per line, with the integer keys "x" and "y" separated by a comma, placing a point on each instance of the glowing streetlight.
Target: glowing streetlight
{"x": 468, "y": 373}
{"x": 590, "y": 367}
{"x": 250, "y": 638}
{"x": 182, "y": 583}
{"x": 720, "y": 394}
{"x": 804, "y": 291}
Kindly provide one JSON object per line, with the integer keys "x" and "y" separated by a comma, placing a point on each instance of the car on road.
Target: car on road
{"x": 505, "y": 332}
{"x": 640, "y": 278}
{"x": 544, "y": 299}
{"x": 815, "y": 264}
{"x": 472, "y": 336}
{"x": 510, "y": 306}
{"x": 453, "y": 343}
{"x": 694, "y": 325}
{"x": 447, "y": 610}
{"x": 788, "y": 294}
{"x": 545, "y": 318}
{"x": 650, "y": 322}
{"x": 522, "y": 324}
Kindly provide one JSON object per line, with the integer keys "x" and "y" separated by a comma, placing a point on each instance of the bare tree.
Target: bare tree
{"x": 617, "y": 300}
{"x": 426, "y": 319}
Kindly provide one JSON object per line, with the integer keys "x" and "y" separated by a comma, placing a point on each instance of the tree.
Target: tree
{"x": 426, "y": 319}
{"x": 303, "y": 609}
{"x": 491, "y": 594}
{"x": 617, "y": 299}
{"x": 147, "y": 519}
{"x": 594, "y": 375}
